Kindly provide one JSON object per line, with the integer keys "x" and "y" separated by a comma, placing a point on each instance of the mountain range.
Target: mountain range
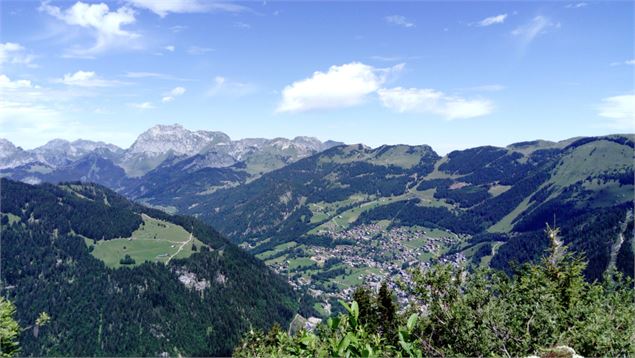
{"x": 330, "y": 216}
{"x": 159, "y": 146}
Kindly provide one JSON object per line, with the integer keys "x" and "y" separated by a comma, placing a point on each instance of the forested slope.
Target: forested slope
{"x": 200, "y": 305}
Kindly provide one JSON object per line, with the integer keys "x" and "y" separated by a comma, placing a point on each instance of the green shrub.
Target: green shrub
{"x": 482, "y": 313}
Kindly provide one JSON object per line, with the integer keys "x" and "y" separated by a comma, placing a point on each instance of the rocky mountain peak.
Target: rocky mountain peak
{"x": 7, "y": 148}
{"x": 163, "y": 138}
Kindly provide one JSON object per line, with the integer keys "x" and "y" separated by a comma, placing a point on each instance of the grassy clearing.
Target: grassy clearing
{"x": 353, "y": 278}
{"x": 496, "y": 190}
{"x": 399, "y": 155}
{"x": 154, "y": 241}
{"x": 505, "y": 224}
{"x": 12, "y": 218}
{"x": 343, "y": 220}
{"x": 267, "y": 254}
{"x": 319, "y": 307}
{"x": 591, "y": 159}
{"x": 438, "y": 174}
{"x": 415, "y": 243}
{"x": 322, "y": 210}
{"x": 299, "y": 262}
{"x": 485, "y": 260}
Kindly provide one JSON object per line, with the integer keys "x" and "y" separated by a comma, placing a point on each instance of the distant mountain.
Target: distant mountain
{"x": 158, "y": 148}
{"x": 120, "y": 279}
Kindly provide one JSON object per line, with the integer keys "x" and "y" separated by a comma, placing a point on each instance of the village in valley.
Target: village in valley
{"x": 363, "y": 254}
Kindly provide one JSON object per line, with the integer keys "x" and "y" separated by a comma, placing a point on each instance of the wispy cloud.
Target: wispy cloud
{"x": 196, "y": 50}
{"x": 486, "y": 88}
{"x": 105, "y": 25}
{"x": 156, "y": 75}
{"x": 394, "y": 58}
{"x": 30, "y": 112}
{"x": 341, "y": 86}
{"x": 619, "y": 111}
{"x": 170, "y": 48}
{"x": 142, "y": 105}
{"x": 576, "y": 5}
{"x": 435, "y": 102}
{"x": 169, "y": 97}
{"x": 627, "y": 62}
{"x": 224, "y": 86}
{"x": 164, "y": 7}
{"x": 86, "y": 79}
{"x": 242, "y": 25}
{"x": 537, "y": 26}
{"x": 399, "y": 21}
{"x": 177, "y": 28}
{"x": 492, "y": 20}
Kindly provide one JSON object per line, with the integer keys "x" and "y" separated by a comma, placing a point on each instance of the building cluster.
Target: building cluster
{"x": 377, "y": 253}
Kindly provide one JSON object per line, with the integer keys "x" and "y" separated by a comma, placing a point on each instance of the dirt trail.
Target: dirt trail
{"x": 180, "y": 248}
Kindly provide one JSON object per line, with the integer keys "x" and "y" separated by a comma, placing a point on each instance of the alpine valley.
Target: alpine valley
{"x": 329, "y": 216}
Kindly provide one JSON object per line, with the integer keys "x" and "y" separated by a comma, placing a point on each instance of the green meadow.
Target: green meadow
{"x": 154, "y": 241}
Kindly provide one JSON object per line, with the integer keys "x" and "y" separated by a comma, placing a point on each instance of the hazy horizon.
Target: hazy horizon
{"x": 321, "y": 139}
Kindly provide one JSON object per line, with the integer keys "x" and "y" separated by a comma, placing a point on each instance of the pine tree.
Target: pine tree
{"x": 387, "y": 311}
{"x": 9, "y": 329}
{"x": 367, "y": 308}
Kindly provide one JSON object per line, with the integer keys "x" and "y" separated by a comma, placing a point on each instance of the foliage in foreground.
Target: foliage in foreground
{"x": 9, "y": 329}
{"x": 458, "y": 313}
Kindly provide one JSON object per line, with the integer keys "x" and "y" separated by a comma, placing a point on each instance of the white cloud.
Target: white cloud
{"x": 196, "y": 50}
{"x": 537, "y": 26}
{"x": 576, "y": 5}
{"x": 627, "y": 62}
{"x": 487, "y": 88}
{"x": 492, "y": 20}
{"x": 177, "y": 91}
{"x": 159, "y": 76}
{"x": 399, "y": 21}
{"x": 164, "y": 7}
{"x": 86, "y": 79}
{"x": 15, "y": 53}
{"x": 341, "y": 86}
{"x": 434, "y": 102}
{"x": 105, "y": 24}
{"x": 619, "y": 111}
{"x": 177, "y": 28}
{"x": 170, "y": 48}
{"x": 7, "y": 84}
{"x": 223, "y": 86}
{"x": 143, "y": 105}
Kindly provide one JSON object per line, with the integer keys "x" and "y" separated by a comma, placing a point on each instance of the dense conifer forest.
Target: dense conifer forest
{"x": 140, "y": 311}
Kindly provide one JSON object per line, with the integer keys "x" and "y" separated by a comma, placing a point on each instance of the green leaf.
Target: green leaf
{"x": 412, "y": 321}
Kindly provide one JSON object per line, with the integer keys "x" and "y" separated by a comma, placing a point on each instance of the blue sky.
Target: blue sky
{"x": 449, "y": 74}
